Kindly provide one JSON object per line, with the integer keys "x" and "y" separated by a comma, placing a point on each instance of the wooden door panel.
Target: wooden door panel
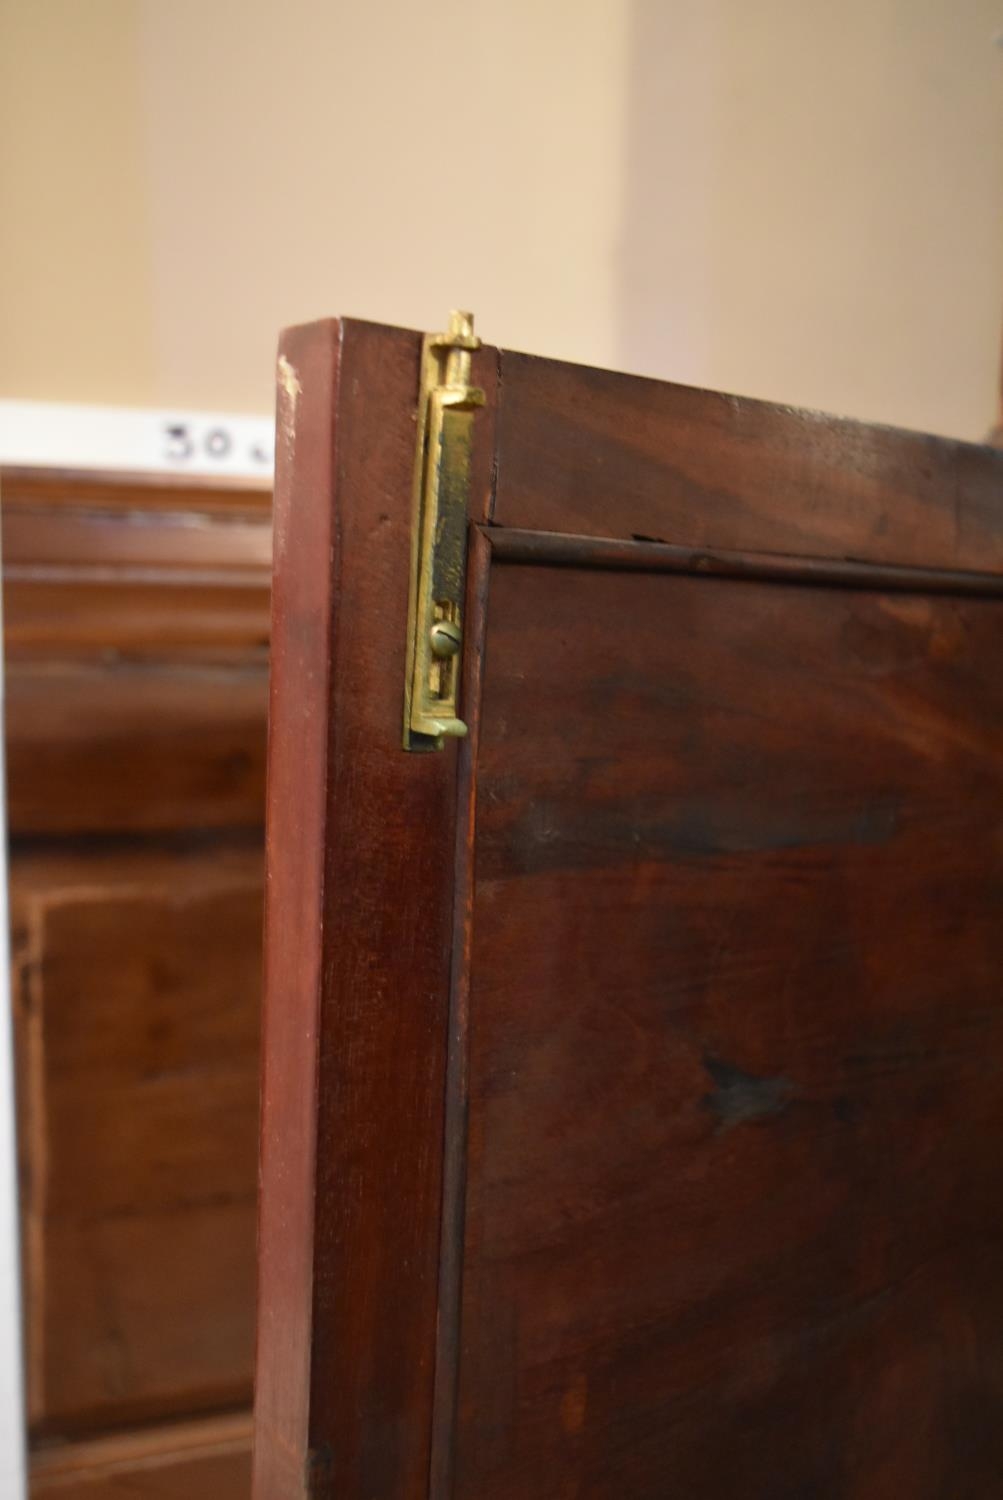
{"x": 357, "y": 969}
{"x": 734, "y": 1040}
{"x": 631, "y": 1107}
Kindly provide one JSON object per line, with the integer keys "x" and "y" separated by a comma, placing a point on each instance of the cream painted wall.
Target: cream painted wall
{"x": 814, "y": 204}
{"x": 75, "y": 274}
{"x": 790, "y": 198}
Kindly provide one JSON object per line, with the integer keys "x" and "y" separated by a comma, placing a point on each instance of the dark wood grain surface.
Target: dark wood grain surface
{"x": 359, "y": 934}
{"x": 563, "y": 550}
{"x": 733, "y": 1219}
{"x": 632, "y": 1107}
{"x": 583, "y": 450}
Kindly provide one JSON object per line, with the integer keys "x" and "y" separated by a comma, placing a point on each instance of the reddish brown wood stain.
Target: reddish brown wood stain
{"x": 735, "y": 1044}
{"x": 632, "y": 1100}
{"x": 583, "y": 450}
{"x": 359, "y": 930}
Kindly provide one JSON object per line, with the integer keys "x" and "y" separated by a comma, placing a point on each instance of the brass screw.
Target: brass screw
{"x": 445, "y": 638}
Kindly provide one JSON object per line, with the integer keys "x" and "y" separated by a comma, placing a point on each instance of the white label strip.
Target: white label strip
{"x": 50, "y": 435}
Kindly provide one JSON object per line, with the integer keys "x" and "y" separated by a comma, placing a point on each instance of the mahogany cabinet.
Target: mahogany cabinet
{"x": 136, "y": 638}
{"x": 633, "y": 1065}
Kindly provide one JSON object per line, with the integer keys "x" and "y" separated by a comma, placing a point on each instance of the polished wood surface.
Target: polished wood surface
{"x": 136, "y": 638}
{"x": 557, "y": 549}
{"x": 631, "y": 1107}
{"x": 359, "y": 924}
{"x": 732, "y": 1221}
{"x": 583, "y": 450}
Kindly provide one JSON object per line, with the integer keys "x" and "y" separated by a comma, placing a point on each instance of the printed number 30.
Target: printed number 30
{"x": 181, "y": 446}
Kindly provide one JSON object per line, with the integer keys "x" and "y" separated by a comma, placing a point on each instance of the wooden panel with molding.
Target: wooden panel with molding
{"x": 136, "y": 646}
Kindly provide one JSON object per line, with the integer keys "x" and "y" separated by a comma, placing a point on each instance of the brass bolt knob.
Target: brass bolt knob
{"x": 445, "y": 638}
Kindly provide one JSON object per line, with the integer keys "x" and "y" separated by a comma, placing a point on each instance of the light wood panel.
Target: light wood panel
{"x": 210, "y": 1458}
{"x": 136, "y": 618}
